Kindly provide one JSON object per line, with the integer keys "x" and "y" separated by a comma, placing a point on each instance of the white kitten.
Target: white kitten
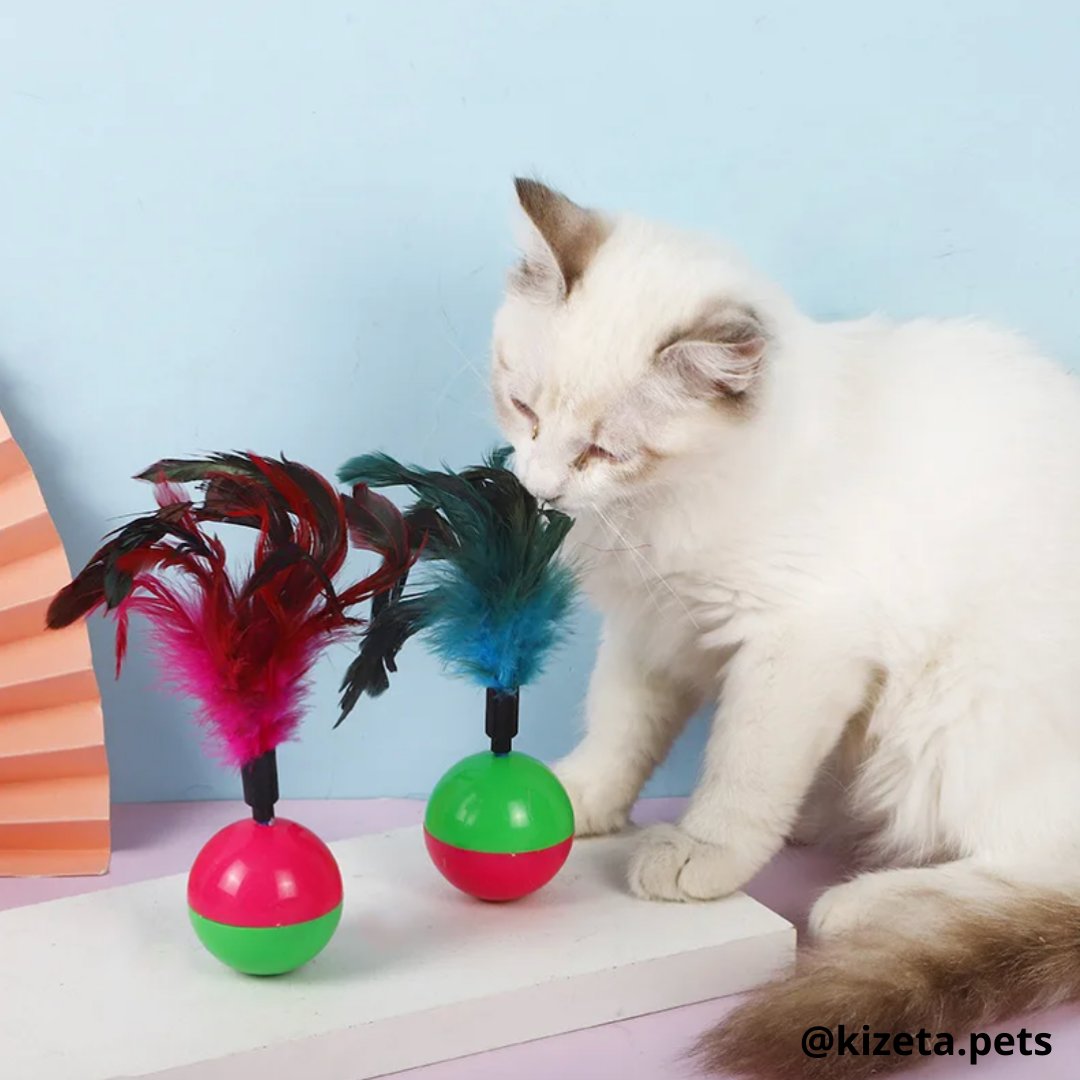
{"x": 863, "y": 539}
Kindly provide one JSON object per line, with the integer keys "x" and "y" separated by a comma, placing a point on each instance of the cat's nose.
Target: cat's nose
{"x": 548, "y": 496}
{"x": 545, "y": 483}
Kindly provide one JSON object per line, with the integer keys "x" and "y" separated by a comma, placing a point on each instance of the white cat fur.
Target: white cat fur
{"x": 861, "y": 538}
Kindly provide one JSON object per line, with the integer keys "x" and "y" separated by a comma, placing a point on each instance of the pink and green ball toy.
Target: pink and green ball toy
{"x": 264, "y": 896}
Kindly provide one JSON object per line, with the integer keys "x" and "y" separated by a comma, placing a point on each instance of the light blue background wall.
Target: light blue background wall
{"x": 282, "y": 226}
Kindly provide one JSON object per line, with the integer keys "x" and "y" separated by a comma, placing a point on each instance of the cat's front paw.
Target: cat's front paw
{"x": 596, "y": 813}
{"x": 669, "y": 864}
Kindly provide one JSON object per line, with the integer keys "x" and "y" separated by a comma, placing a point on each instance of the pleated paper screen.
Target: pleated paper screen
{"x": 54, "y": 777}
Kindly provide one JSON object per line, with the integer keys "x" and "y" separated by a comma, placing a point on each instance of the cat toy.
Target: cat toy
{"x": 493, "y": 604}
{"x": 265, "y": 894}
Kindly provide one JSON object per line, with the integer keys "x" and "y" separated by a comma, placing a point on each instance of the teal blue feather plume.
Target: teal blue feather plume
{"x": 494, "y": 597}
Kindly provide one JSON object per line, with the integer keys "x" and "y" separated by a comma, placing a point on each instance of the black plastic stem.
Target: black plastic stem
{"x": 261, "y": 786}
{"x": 502, "y": 720}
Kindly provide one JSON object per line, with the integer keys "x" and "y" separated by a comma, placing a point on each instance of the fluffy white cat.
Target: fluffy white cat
{"x": 862, "y": 539}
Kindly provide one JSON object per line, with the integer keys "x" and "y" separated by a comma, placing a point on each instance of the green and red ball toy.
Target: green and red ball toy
{"x": 499, "y": 825}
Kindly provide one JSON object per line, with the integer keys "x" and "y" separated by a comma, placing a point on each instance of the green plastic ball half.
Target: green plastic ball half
{"x": 499, "y": 827}
{"x": 266, "y": 950}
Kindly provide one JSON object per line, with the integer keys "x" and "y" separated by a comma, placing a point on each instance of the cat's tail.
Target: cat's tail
{"x": 936, "y": 962}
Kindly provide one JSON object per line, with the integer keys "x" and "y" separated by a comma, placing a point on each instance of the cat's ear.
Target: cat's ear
{"x": 722, "y": 356}
{"x": 559, "y": 240}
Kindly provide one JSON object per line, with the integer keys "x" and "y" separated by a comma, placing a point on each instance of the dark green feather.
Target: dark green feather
{"x": 494, "y": 597}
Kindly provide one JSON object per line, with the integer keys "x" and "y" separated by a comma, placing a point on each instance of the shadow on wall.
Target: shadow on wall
{"x": 157, "y": 736}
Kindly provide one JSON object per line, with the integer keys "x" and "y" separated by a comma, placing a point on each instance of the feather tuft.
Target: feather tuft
{"x": 495, "y": 597}
{"x": 241, "y": 646}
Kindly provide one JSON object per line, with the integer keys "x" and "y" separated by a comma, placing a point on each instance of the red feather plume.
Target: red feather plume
{"x": 242, "y": 647}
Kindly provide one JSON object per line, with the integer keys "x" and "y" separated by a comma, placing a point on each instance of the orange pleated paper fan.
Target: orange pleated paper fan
{"x": 54, "y": 776}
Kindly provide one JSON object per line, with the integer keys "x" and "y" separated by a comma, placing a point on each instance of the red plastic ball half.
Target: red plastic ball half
{"x": 265, "y": 899}
{"x": 497, "y": 876}
{"x": 499, "y": 827}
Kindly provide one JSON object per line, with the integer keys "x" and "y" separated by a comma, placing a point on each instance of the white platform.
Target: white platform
{"x": 113, "y": 984}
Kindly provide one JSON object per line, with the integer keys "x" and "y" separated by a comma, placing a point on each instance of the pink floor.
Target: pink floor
{"x": 151, "y": 841}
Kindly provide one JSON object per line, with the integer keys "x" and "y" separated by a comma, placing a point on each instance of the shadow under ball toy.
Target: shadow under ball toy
{"x": 493, "y": 603}
{"x": 264, "y": 894}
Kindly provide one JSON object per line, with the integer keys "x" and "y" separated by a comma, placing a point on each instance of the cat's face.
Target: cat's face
{"x": 619, "y": 348}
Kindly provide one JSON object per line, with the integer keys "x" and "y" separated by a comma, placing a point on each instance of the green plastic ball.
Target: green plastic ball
{"x": 499, "y": 826}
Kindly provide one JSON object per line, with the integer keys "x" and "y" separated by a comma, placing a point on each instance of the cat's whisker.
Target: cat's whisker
{"x": 656, "y": 573}
{"x": 635, "y": 552}
{"x": 484, "y": 419}
{"x": 451, "y": 337}
{"x": 610, "y": 525}
{"x": 613, "y": 550}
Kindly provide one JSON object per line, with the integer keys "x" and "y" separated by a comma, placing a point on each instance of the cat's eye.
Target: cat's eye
{"x": 528, "y": 414}
{"x": 592, "y": 453}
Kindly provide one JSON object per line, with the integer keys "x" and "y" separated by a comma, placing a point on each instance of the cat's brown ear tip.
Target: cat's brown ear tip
{"x": 533, "y": 194}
